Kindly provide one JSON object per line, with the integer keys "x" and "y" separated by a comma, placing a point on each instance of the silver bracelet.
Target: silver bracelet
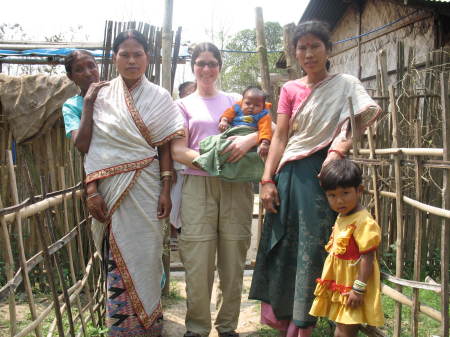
{"x": 92, "y": 195}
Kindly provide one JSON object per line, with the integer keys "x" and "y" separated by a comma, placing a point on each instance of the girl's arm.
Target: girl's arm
{"x": 269, "y": 193}
{"x": 364, "y": 272}
{"x": 181, "y": 152}
{"x": 82, "y": 137}
{"x": 165, "y": 167}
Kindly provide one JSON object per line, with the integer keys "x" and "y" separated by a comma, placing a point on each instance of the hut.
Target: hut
{"x": 361, "y": 28}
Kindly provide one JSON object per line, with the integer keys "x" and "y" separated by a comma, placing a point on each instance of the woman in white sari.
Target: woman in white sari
{"x": 129, "y": 171}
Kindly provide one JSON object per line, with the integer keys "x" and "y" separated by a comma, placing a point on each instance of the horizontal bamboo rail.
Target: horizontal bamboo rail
{"x": 403, "y": 299}
{"x": 419, "y": 205}
{"x": 413, "y": 284}
{"x": 30, "y": 201}
{"x": 42, "y": 205}
{"x": 73, "y": 291}
{"x": 404, "y": 150}
{"x": 13, "y": 284}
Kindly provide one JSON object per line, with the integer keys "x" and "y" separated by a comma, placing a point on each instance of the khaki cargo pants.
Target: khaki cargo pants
{"x": 216, "y": 217}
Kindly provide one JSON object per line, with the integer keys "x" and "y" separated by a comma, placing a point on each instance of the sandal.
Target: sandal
{"x": 191, "y": 334}
{"x": 228, "y": 334}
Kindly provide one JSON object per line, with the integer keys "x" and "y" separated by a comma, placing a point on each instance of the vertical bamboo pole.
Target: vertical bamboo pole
{"x": 176, "y": 52}
{"x": 289, "y": 50}
{"x": 166, "y": 46}
{"x": 384, "y": 136}
{"x": 158, "y": 41}
{"x": 355, "y": 134}
{"x": 77, "y": 221}
{"x": 358, "y": 33}
{"x": 418, "y": 232}
{"x": 399, "y": 210}
{"x": 53, "y": 170}
{"x": 167, "y": 83}
{"x": 265, "y": 84}
{"x": 69, "y": 250}
{"x": 445, "y": 232}
{"x": 262, "y": 52}
{"x": 9, "y": 266}
{"x": 22, "y": 258}
{"x": 373, "y": 169}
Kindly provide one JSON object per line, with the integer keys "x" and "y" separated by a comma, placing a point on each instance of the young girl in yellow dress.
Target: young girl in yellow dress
{"x": 349, "y": 290}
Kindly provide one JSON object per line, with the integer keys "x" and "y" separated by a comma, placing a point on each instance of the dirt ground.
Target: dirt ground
{"x": 249, "y": 317}
{"x": 174, "y": 314}
{"x": 174, "y": 309}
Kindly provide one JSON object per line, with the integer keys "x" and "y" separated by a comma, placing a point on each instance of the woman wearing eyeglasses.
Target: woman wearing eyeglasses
{"x": 216, "y": 214}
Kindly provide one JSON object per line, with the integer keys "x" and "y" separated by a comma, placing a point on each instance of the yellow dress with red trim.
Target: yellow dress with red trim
{"x": 352, "y": 236}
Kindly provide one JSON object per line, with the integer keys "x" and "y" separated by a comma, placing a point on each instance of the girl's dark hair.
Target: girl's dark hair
{"x": 255, "y": 89}
{"x": 206, "y": 46}
{"x": 340, "y": 173}
{"x": 130, "y": 34}
{"x": 70, "y": 58}
{"x": 319, "y": 29}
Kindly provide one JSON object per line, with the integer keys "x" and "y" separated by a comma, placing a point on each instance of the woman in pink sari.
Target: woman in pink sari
{"x": 312, "y": 129}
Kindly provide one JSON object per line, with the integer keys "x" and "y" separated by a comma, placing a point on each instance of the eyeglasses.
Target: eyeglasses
{"x": 210, "y": 64}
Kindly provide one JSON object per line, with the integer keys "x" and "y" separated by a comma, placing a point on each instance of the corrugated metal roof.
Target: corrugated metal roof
{"x": 332, "y": 10}
{"x": 326, "y": 10}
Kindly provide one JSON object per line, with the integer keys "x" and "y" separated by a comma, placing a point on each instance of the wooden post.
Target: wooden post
{"x": 359, "y": 15}
{"x": 292, "y": 66}
{"x": 265, "y": 84}
{"x": 9, "y": 266}
{"x": 22, "y": 257}
{"x": 445, "y": 232}
{"x": 166, "y": 82}
{"x": 418, "y": 232}
{"x": 262, "y": 52}
{"x": 399, "y": 210}
{"x": 176, "y": 52}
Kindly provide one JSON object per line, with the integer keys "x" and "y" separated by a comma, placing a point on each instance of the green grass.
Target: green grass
{"x": 174, "y": 295}
{"x": 265, "y": 331}
{"x": 427, "y": 326}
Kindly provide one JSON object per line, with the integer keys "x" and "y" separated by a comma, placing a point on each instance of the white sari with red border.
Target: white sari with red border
{"x": 128, "y": 125}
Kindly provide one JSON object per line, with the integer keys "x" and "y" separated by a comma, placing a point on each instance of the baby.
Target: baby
{"x": 253, "y": 111}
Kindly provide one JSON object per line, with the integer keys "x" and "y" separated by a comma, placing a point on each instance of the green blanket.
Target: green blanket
{"x": 249, "y": 168}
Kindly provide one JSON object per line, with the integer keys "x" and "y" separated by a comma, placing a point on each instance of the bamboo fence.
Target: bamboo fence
{"x": 46, "y": 238}
{"x": 406, "y": 160}
{"x": 47, "y": 244}
{"x": 154, "y": 36}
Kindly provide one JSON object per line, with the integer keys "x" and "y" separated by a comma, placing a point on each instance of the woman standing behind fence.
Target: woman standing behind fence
{"x": 129, "y": 173}
{"x": 216, "y": 215}
{"x": 312, "y": 129}
{"x": 77, "y": 111}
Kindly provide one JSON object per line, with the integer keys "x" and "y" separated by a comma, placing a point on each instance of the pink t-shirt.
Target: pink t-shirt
{"x": 292, "y": 94}
{"x": 201, "y": 118}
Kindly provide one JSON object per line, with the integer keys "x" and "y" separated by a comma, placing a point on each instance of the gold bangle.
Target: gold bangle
{"x": 166, "y": 174}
